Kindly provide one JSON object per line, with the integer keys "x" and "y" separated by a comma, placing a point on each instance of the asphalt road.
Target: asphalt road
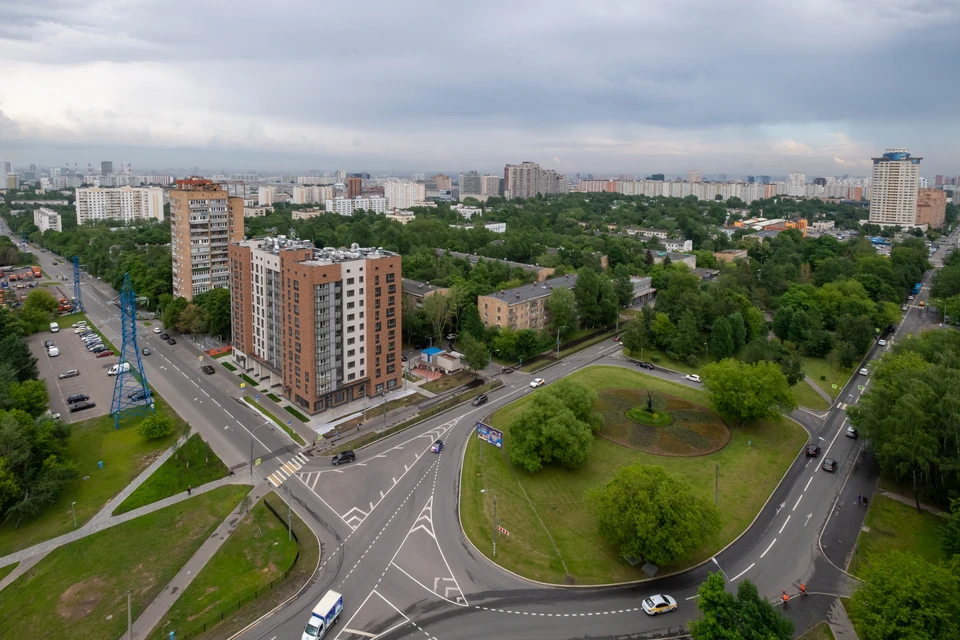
{"x": 390, "y": 530}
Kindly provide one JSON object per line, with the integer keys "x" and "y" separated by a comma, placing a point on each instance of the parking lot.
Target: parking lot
{"x": 93, "y": 380}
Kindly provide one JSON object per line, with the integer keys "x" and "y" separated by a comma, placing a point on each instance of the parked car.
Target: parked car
{"x": 145, "y": 351}
{"x": 139, "y": 394}
{"x": 692, "y": 377}
{"x": 72, "y": 373}
{"x": 171, "y": 341}
{"x": 403, "y": 358}
{"x": 479, "y": 400}
{"x": 813, "y": 450}
{"x": 157, "y": 330}
{"x": 903, "y": 307}
{"x": 51, "y": 414}
{"x": 53, "y": 352}
{"x": 882, "y": 343}
{"x": 507, "y": 370}
{"x": 208, "y": 369}
{"x": 437, "y": 446}
{"x": 105, "y": 354}
{"x": 655, "y": 605}
{"x": 48, "y": 343}
{"x": 645, "y": 365}
{"x": 537, "y": 382}
{"x": 115, "y": 369}
{"x": 165, "y": 336}
{"x": 80, "y": 406}
{"x": 864, "y": 371}
{"x": 344, "y": 456}
{"x": 98, "y": 349}
{"x": 77, "y": 397}
{"x": 852, "y": 432}
{"x": 829, "y": 464}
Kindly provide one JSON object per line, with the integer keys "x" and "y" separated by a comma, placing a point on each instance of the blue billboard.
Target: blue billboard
{"x": 489, "y": 434}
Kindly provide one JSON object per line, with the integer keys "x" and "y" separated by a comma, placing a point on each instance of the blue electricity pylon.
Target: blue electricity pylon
{"x": 77, "y": 294}
{"x": 131, "y": 393}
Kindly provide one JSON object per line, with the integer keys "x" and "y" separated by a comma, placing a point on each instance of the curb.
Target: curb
{"x": 829, "y": 517}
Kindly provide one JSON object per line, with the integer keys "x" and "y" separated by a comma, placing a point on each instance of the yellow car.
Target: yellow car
{"x": 655, "y": 605}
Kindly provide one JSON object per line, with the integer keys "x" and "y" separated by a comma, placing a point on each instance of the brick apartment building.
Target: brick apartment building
{"x": 931, "y": 207}
{"x": 324, "y": 324}
{"x": 524, "y": 307}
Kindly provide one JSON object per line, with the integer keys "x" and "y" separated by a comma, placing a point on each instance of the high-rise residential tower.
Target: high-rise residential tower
{"x": 125, "y": 204}
{"x": 106, "y": 168}
{"x": 527, "y": 179}
{"x": 893, "y": 188}
{"x": 203, "y": 221}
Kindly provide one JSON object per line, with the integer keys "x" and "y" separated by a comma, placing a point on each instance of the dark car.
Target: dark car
{"x": 813, "y": 450}
{"x": 140, "y": 394}
{"x": 48, "y": 343}
{"x": 105, "y": 354}
{"x": 80, "y": 406}
{"x": 403, "y": 358}
{"x": 171, "y": 341}
{"x": 479, "y": 400}
{"x": 164, "y": 336}
{"x": 98, "y": 348}
{"x": 437, "y": 446}
{"x": 829, "y": 464}
{"x": 77, "y": 397}
{"x": 145, "y": 351}
{"x": 344, "y": 456}
{"x": 208, "y": 369}
{"x": 645, "y": 365}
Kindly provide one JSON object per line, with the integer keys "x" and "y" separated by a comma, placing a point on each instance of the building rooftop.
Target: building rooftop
{"x": 418, "y": 288}
{"x": 534, "y": 291}
{"x": 474, "y": 259}
{"x": 326, "y": 255}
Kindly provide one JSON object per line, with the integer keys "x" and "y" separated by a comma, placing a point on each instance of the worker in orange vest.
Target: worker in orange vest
{"x": 803, "y": 589}
{"x": 786, "y": 598}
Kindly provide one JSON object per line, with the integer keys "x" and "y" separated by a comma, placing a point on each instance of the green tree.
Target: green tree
{"x": 652, "y": 515}
{"x": 15, "y": 354}
{"x": 38, "y": 310}
{"x": 475, "y": 354}
{"x": 744, "y": 617}
{"x": 623, "y": 285}
{"x": 548, "y": 431}
{"x": 738, "y": 329}
{"x": 846, "y": 354}
{"x": 216, "y": 308}
{"x": 686, "y": 341}
{"x": 192, "y": 320}
{"x": 562, "y": 306}
{"x": 637, "y": 337}
{"x": 663, "y": 330}
{"x": 891, "y": 579}
{"x": 156, "y": 427}
{"x": 30, "y": 396}
{"x": 781, "y": 323}
{"x": 721, "y": 338}
{"x": 580, "y": 400}
{"x": 172, "y": 311}
{"x": 950, "y": 531}
{"x": 586, "y": 292}
{"x": 436, "y": 312}
{"x": 748, "y": 391}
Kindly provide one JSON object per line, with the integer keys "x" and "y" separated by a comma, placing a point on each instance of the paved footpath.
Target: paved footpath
{"x": 154, "y": 613}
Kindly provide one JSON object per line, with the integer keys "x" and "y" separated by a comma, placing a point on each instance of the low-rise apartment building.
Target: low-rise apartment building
{"x": 524, "y": 307}
{"x": 415, "y": 291}
{"x": 47, "y": 219}
{"x": 323, "y": 325}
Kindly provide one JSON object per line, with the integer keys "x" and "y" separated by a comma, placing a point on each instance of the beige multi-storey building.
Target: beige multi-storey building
{"x": 694, "y": 176}
{"x": 311, "y": 195}
{"x": 203, "y": 221}
{"x": 125, "y": 204}
{"x": 444, "y": 182}
{"x": 893, "y": 189}
{"x": 323, "y": 324}
{"x": 49, "y": 220}
{"x": 931, "y": 207}
{"x": 527, "y": 179}
{"x": 524, "y": 307}
{"x": 401, "y": 194}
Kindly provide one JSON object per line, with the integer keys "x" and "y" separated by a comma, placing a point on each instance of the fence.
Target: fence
{"x": 213, "y": 619}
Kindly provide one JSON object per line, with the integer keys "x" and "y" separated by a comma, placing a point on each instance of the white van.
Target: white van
{"x": 54, "y": 327}
{"x": 53, "y": 352}
{"x": 115, "y": 369}
{"x": 323, "y": 616}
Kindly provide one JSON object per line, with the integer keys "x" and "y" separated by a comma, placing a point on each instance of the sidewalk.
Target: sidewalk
{"x": 840, "y": 623}
{"x": 823, "y": 394}
{"x": 910, "y": 502}
{"x": 154, "y": 613}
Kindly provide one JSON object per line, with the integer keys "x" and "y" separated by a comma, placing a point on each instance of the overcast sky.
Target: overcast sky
{"x": 629, "y": 86}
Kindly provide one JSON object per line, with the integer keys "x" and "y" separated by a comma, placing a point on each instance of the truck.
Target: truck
{"x": 36, "y": 272}
{"x": 323, "y": 616}
{"x": 916, "y": 288}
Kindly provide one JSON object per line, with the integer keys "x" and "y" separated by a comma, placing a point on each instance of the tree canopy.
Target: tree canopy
{"x": 555, "y": 427}
{"x": 745, "y": 616}
{"x": 748, "y": 391}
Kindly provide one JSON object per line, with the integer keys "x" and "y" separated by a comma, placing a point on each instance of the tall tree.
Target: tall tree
{"x": 436, "y": 312}
{"x": 587, "y": 294}
{"x": 781, "y": 323}
{"x": 475, "y": 354}
{"x": 686, "y": 341}
{"x": 15, "y": 353}
{"x": 216, "y": 309}
{"x": 623, "y": 285}
{"x": 562, "y": 306}
{"x": 744, "y": 617}
{"x": 721, "y": 338}
{"x": 748, "y": 391}
{"x": 739, "y": 331}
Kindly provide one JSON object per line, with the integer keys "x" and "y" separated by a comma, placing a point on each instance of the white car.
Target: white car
{"x": 882, "y": 343}
{"x": 903, "y": 307}
{"x": 693, "y": 378}
{"x": 157, "y": 330}
{"x": 537, "y": 382}
{"x": 658, "y": 604}
{"x": 53, "y": 352}
{"x": 864, "y": 371}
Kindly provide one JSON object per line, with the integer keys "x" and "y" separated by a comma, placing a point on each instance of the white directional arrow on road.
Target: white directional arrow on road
{"x": 163, "y": 367}
{"x": 809, "y": 515}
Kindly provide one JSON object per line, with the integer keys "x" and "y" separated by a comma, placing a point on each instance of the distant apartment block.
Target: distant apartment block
{"x": 730, "y": 255}
{"x": 311, "y": 195}
{"x": 694, "y": 176}
{"x": 931, "y": 207}
{"x": 106, "y": 168}
{"x": 354, "y": 186}
{"x": 748, "y": 192}
{"x": 444, "y": 183}
{"x": 415, "y": 291}
{"x": 471, "y": 184}
{"x": 542, "y": 273}
{"x": 266, "y": 196}
{"x": 47, "y": 220}
{"x": 467, "y": 212}
{"x": 346, "y": 206}
{"x": 323, "y": 326}
{"x": 521, "y": 308}
{"x": 796, "y": 185}
{"x": 893, "y": 188}
{"x": 402, "y": 194}
{"x": 527, "y": 179}
{"x": 403, "y": 217}
{"x": 124, "y": 204}
{"x": 203, "y": 221}
{"x": 256, "y": 211}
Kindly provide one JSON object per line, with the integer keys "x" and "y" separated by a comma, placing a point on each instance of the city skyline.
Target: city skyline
{"x": 602, "y": 87}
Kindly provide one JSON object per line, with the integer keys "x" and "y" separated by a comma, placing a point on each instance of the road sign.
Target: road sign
{"x": 257, "y": 397}
{"x": 503, "y": 531}
{"x": 833, "y": 386}
{"x": 257, "y": 461}
{"x": 243, "y": 385}
{"x": 201, "y": 357}
{"x": 860, "y": 387}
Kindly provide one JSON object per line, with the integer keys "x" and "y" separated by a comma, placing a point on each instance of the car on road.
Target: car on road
{"x": 157, "y": 330}
{"x": 645, "y": 365}
{"x": 692, "y": 377}
{"x": 882, "y": 343}
{"x": 537, "y": 382}
{"x": 813, "y": 450}
{"x": 171, "y": 341}
{"x": 903, "y": 307}
{"x": 105, "y": 354}
{"x": 72, "y": 373}
{"x": 909, "y": 297}
{"x": 208, "y": 369}
{"x": 437, "y": 446}
{"x": 616, "y": 338}
{"x": 507, "y": 370}
{"x": 165, "y": 336}
{"x": 80, "y": 406}
{"x": 145, "y": 351}
{"x": 53, "y": 352}
{"x": 852, "y": 432}
{"x": 655, "y": 605}
{"x": 864, "y": 371}
{"x": 344, "y": 456}
{"x": 479, "y": 400}
{"x": 48, "y": 343}
{"x": 829, "y": 464}
{"x": 77, "y": 397}
{"x": 403, "y": 358}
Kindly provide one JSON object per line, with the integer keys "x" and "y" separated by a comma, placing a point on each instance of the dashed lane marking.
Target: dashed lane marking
{"x": 770, "y": 547}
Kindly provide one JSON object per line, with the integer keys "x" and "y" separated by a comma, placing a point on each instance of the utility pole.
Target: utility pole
{"x": 129, "y": 616}
{"x": 74, "y": 510}
{"x": 289, "y": 522}
{"x": 496, "y": 525}
{"x": 716, "y": 486}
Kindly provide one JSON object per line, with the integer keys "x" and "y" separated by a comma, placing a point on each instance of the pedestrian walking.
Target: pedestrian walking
{"x": 859, "y": 499}
{"x": 189, "y": 488}
{"x": 803, "y": 589}
{"x": 786, "y": 598}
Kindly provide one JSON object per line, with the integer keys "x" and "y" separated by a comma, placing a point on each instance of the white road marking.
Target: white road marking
{"x": 228, "y": 413}
{"x": 768, "y": 548}
{"x": 360, "y": 633}
{"x": 784, "y": 524}
{"x": 736, "y": 577}
{"x": 798, "y": 502}
{"x": 808, "y": 483}
{"x": 218, "y": 404}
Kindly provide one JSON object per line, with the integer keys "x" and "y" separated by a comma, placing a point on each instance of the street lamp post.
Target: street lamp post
{"x": 251, "y": 447}
{"x": 724, "y": 573}
{"x": 558, "y": 340}
{"x": 716, "y": 486}
{"x": 73, "y": 508}
{"x": 129, "y": 616}
{"x": 496, "y": 525}
{"x": 384, "y": 395}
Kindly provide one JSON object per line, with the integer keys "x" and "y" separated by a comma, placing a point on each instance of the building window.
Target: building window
{"x": 350, "y": 353}
{"x": 350, "y": 317}
{"x": 377, "y": 351}
{"x": 391, "y": 368}
{"x": 391, "y": 277}
{"x": 296, "y": 285}
{"x": 350, "y": 305}
{"x": 349, "y": 280}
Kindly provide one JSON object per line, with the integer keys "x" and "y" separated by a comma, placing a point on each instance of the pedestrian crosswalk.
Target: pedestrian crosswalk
{"x": 287, "y": 469}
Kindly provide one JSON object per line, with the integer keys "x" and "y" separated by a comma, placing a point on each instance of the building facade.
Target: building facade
{"x": 527, "y": 179}
{"x": 47, "y": 219}
{"x": 354, "y": 187}
{"x": 346, "y": 206}
{"x": 893, "y": 189}
{"x": 471, "y": 184}
{"x": 125, "y": 204}
{"x": 203, "y": 221}
{"x": 311, "y": 195}
{"x": 401, "y": 194}
{"x": 931, "y": 207}
{"x": 444, "y": 183}
{"x": 323, "y": 324}
{"x": 524, "y": 307}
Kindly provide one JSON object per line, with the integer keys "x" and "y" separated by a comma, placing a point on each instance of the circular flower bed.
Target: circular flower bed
{"x": 680, "y": 428}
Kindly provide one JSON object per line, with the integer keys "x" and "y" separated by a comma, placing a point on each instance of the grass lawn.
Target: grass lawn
{"x": 217, "y": 356}
{"x": 553, "y": 500}
{"x": 124, "y": 454}
{"x": 228, "y": 366}
{"x": 250, "y": 381}
{"x": 817, "y": 367}
{"x": 283, "y": 425}
{"x": 895, "y": 526}
{"x": 661, "y": 359}
{"x": 7, "y": 570}
{"x": 254, "y": 555}
{"x": 405, "y": 401}
{"x": 147, "y": 323}
{"x": 296, "y": 414}
{"x": 448, "y": 382}
{"x": 72, "y": 591}
{"x": 192, "y": 465}
{"x": 806, "y": 396}
{"x": 820, "y": 632}
{"x": 274, "y": 397}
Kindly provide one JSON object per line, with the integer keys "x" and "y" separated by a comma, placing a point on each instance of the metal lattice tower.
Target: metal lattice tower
{"x": 131, "y": 393}
{"x": 77, "y": 293}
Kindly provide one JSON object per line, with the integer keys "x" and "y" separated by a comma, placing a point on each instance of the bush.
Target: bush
{"x": 156, "y": 427}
